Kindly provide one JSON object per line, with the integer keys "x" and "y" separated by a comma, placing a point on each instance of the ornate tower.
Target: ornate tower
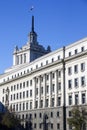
{"x": 31, "y": 51}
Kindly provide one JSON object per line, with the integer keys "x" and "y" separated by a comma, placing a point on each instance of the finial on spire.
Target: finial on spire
{"x": 32, "y": 23}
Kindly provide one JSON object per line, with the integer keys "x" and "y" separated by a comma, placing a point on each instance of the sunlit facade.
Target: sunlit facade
{"x": 42, "y": 82}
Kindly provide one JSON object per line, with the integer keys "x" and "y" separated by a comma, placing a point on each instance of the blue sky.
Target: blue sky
{"x": 57, "y": 23}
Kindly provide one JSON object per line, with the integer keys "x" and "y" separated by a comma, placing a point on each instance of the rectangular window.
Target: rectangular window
{"x": 53, "y": 75}
{"x": 51, "y": 125}
{"x": 41, "y": 103}
{"x": 52, "y": 102}
{"x": 47, "y": 102}
{"x": 76, "y": 82}
{"x": 76, "y": 68}
{"x": 69, "y": 54}
{"x": 36, "y": 66}
{"x": 17, "y": 95}
{"x": 14, "y": 87}
{"x": 59, "y": 86}
{"x": 69, "y": 71}
{"x": 40, "y": 115}
{"x": 30, "y": 93}
{"x": 76, "y": 99}
{"x": 27, "y": 70}
{"x": 59, "y": 101}
{"x": 23, "y": 84}
{"x": 53, "y": 87}
{"x": 83, "y": 98}
{"x": 47, "y": 89}
{"x": 26, "y": 116}
{"x": 20, "y": 95}
{"x": 35, "y": 125}
{"x": 27, "y": 83}
{"x": 30, "y": 105}
{"x": 82, "y": 49}
{"x": 23, "y": 94}
{"x": 30, "y": 82}
{"x": 14, "y": 96}
{"x": 46, "y": 62}
{"x": 58, "y": 57}
{"x": 41, "y": 79}
{"x": 27, "y": 93}
{"x": 11, "y": 98}
{"x": 19, "y": 107}
{"x": 40, "y": 125}
{"x": 36, "y": 80}
{"x": 58, "y": 114}
{"x": 23, "y": 106}
{"x": 35, "y": 115}
{"x": 36, "y": 91}
{"x": 20, "y": 85}
{"x": 47, "y": 77}
{"x": 41, "y": 90}
{"x": 16, "y": 107}
{"x": 82, "y": 66}
{"x": 11, "y": 89}
{"x": 51, "y": 114}
{"x": 41, "y": 64}
{"x": 70, "y": 99}
{"x": 83, "y": 81}
{"x": 27, "y": 106}
{"x": 69, "y": 84}
{"x": 24, "y": 58}
{"x": 36, "y": 104}
{"x": 76, "y": 51}
{"x": 52, "y": 59}
{"x": 70, "y": 113}
{"x": 58, "y": 126}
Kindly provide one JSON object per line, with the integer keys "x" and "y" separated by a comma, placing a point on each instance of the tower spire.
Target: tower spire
{"x": 32, "y": 23}
{"x": 32, "y": 34}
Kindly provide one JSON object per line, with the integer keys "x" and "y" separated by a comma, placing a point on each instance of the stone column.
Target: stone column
{"x": 50, "y": 88}
{"x": 23, "y": 58}
{"x": 39, "y": 91}
{"x": 44, "y": 90}
{"x": 19, "y": 59}
{"x": 80, "y": 98}
{"x": 56, "y": 87}
{"x": 34, "y": 92}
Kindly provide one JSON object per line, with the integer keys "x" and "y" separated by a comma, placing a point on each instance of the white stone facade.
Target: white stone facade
{"x": 44, "y": 86}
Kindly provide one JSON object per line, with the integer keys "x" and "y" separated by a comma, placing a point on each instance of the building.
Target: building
{"x": 42, "y": 86}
